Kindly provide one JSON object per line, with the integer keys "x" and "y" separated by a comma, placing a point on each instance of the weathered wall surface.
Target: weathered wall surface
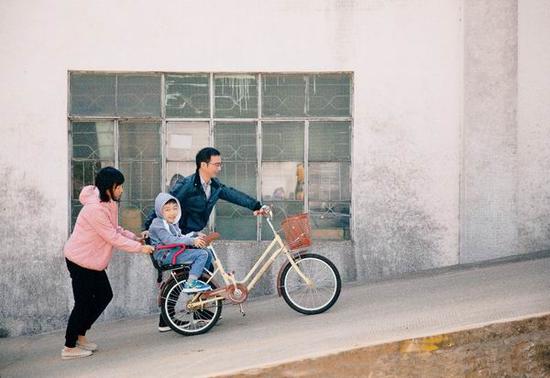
{"x": 451, "y": 121}
{"x": 533, "y": 117}
{"x": 489, "y": 198}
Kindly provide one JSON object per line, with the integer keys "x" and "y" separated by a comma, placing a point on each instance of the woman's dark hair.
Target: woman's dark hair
{"x": 105, "y": 180}
{"x": 204, "y": 155}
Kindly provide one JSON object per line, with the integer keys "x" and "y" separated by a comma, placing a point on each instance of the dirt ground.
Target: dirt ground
{"x": 514, "y": 349}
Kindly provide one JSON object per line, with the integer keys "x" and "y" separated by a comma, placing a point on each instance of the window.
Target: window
{"x": 284, "y": 138}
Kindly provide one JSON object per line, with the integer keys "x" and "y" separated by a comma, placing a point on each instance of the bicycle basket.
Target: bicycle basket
{"x": 297, "y": 231}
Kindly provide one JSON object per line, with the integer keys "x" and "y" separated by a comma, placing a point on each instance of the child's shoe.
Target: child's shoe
{"x": 195, "y": 286}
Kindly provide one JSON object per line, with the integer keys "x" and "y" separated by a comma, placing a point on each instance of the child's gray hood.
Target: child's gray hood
{"x": 161, "y": 200}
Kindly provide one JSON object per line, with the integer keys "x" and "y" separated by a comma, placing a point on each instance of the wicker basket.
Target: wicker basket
{"x": 297, "y": 231}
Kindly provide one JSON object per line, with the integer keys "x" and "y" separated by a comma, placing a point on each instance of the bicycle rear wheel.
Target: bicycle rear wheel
{"x": 180, "y": 318}
{"x": 325, "y": 288}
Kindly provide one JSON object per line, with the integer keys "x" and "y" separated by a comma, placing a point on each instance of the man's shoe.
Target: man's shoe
{"x": 92, "y": 347}
{"x": 72, "y": 353}
{"x": 195, "y": 286}
{"x": 164, "y": 329}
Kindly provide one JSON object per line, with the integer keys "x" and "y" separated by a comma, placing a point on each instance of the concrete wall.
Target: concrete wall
{"x": 533, "y": 118}
{"x": 505, "y": 191}
{"x": 489, "y": 206}
{"x": 443, "y": 173}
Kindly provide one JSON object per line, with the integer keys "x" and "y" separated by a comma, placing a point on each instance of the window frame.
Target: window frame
{"x": 211, "y": 120}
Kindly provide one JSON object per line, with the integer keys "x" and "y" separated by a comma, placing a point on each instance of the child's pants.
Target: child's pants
{"x": 196, "y": 257}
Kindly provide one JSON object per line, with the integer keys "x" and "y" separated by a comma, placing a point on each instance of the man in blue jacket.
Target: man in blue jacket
{"x": 199, "y": 193}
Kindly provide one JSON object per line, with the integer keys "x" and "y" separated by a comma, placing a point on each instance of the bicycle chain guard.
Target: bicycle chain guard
{"x": 237, "y": 293}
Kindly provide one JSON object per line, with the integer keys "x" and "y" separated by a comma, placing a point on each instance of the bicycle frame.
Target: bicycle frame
{"x": 275, "y": 248}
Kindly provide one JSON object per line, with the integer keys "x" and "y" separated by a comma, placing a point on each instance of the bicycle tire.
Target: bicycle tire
{"x": 171, "y": 296}
{"x": 307, "y": 262}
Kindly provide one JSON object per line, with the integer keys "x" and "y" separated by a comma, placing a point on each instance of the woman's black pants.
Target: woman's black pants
{"x": 92, "y": 293}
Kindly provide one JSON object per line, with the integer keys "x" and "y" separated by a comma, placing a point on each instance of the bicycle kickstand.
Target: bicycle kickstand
{"x": 241, "y": 309}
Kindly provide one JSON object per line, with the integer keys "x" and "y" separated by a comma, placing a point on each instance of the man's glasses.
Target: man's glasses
{"x": 219, "y": 165}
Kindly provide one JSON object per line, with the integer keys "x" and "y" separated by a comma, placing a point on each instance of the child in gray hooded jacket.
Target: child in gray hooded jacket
{"x": 164, "y": 230}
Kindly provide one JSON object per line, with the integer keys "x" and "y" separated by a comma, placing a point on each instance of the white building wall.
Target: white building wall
{"x": 407, "y": 58}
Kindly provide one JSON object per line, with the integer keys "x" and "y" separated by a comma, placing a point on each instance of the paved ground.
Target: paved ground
{"x": 272, "y": 333}
{"x": 519, "y": 348}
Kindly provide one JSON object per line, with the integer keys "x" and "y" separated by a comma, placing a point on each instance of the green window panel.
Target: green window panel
{"x": 92, "y": 94}
{"x": 236, "y": 96}
{"x": 187, "y": 96}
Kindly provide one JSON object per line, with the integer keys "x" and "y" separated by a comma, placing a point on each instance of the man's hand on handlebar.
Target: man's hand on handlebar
{"x": 263, "y": 211}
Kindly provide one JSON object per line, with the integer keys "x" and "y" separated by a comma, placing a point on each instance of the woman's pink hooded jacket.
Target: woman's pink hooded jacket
{"x": 96, "y": 232}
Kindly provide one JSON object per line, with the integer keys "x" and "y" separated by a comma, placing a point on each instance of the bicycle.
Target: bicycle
{"x": 309, "y": 283}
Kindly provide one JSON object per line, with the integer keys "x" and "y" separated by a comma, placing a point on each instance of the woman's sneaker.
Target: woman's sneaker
{"x": 72, "y": 353}
{"x": 195, "y": 286}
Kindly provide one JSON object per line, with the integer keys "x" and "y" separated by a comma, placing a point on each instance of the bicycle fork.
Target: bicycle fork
{"x": 306, "y": 279}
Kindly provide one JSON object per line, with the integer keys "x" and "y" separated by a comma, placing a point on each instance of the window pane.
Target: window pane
{"x": 282, "y": 181}
{"x": 138, "y": 96}
{"x": 92, "y": 94}
{"x": 83, "y": 173}
{"x": 93, "y": 140}
{"x": 329, "y": 182}
{"x": 234, "y": 222}
{"x": 283, "y": 95}
{"x": 240, "y": 175}
{"x": 236, "y": 96}
{"x": 139, "y": 161}
{"x": 176, "y": 170}
{"x": 329, "y": 220}
{"x": 93, "y": 149}
{"x": 185, "y": 139}
{"x": 187, "y": 96}
{"x": 281, "y": 210}
{"x": 283, "y": 141}
{"x": 236, "y": 141}
{"x": 329, "y": 141}
{"x": 237, "y": 144}
{"x": 329, "y": 95}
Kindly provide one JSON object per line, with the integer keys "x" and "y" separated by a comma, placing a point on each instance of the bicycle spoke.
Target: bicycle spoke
{"x": 175, "y": 309}
{"x": 322, "y": 278}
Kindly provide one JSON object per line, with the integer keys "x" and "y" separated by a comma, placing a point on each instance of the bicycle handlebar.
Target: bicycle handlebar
{"x": 265, "y": 211}
{"x": 211, "y": 237}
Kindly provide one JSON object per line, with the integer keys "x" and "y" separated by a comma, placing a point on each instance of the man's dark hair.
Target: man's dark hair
{"x": 204, "y": 155}
{"x": 105, "y": 180}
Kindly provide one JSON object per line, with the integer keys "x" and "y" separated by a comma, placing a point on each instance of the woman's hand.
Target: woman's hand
{"x": 144, "y": 235}
{"x": 147, "y": 249}
{"x": 199, "y": 242}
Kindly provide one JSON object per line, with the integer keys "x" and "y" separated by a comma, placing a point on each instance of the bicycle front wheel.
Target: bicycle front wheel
{"x": 320, "y": 294}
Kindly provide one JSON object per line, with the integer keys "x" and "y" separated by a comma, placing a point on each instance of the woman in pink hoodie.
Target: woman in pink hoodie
{"x": 88, "y": 252}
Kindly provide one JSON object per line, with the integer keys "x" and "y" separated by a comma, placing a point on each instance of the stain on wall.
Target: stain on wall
{"x": 399, "y": 234}
{"x": 34, "y": 291}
